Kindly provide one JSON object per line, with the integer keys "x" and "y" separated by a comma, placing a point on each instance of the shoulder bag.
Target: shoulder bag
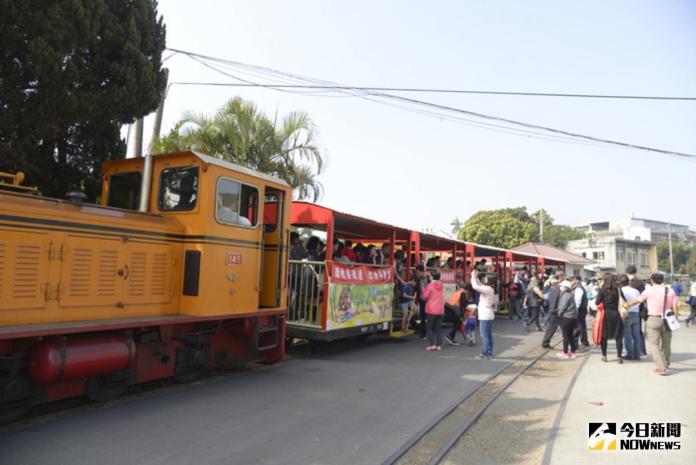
{"x": 670, "y": 319}
{"x": 623, "y": 312}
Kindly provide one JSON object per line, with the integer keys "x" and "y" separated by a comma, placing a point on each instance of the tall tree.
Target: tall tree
{"x": 72, "y": 72}
{"x": 507, "y": 228}
{"x": 510, "y": 227}
{"x": 682, "y": 254}
{"x": 242, "y": 134}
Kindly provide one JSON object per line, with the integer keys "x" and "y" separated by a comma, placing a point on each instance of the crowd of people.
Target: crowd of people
{"x": 625, "y": 309}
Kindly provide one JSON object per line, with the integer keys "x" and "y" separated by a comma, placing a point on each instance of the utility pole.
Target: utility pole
{"x": 138, "y": 138}
{"x": 145, "y": 186}
{"x": 541, "y": 225}
{"x": 157, "y": 126}
{"x": 671, "y": 258}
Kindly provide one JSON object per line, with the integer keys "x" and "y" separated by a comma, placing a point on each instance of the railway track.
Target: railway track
{"x": 432, "y": 444}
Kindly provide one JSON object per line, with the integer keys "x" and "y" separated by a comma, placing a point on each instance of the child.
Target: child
{"x": 434, "y": 310}
{"x": 469, "y": 326}
{"x": 407, "y": 295}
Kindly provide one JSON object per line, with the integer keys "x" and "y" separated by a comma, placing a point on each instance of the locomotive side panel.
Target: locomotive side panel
{"x": 61, "y": 262}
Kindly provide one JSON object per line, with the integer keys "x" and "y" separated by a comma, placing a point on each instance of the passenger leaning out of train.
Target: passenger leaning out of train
{"x": 434, "y": 310}
{"x": 486, "y": 313}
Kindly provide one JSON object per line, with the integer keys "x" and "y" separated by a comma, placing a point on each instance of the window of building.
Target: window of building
{"x": 643, "y": 257}
{"x": 236, "y": 203}
{"x": 124, "y": 190}
{"x": 178, "y": 189}
{"x": 584, "y": 254}
{"x": 598, "y": 255}
{"x": 621, "y": 254}
{"x": 630, "y": 258}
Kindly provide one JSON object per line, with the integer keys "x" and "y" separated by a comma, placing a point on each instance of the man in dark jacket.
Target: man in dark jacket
{"x": 581, "y": 303}
{"x": 554, "y": 295}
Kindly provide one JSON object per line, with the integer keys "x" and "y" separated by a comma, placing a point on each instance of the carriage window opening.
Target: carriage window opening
{"x": 270, "y": 212}
{"x": 178, "y": 189}
{"x": 236, "y": 203}
{"x": 124, "y": 190}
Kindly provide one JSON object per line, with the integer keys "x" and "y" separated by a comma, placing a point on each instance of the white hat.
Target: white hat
{"x": 566, "y": 284}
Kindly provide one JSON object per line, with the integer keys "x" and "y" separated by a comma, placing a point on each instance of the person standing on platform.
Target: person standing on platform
{"x": 692, "y": 304}
{"x": 659, "y": 298}
{"x": 613, "y": 327}
{"x": 486, "y": 313}
{"x": 567, "y": 319}
{"x": 532, "y": 303}
{"x": 581, "y": 303}
{"x": 554, "y": 295}
{"x": 640, "y": 285}
{"x": 454, "y": 310}
{"x": 422, "y": 280}
{"x": 434, "y": 310}
{"x": 632, "y": 322}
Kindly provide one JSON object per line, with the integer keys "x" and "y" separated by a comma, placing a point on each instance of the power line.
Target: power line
{"x": 442, "y": 91}
{"x": 551, "y": 132}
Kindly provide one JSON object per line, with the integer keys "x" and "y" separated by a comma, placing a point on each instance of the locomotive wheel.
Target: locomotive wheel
{"x": 13, "y": 411}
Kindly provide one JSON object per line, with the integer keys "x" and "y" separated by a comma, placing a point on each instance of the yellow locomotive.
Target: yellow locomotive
{"x": 94, "y": 298}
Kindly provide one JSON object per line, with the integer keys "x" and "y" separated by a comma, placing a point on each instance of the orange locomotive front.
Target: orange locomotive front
{"x": 94, "y": 298}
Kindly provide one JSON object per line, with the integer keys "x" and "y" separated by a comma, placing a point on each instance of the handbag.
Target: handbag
{"x": 670, "y": 319}
{"x": 623, "y": 312}
{"x": 598, "y": 325}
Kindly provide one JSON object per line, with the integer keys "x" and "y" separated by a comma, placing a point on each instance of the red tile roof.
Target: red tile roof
{"x": 546, "y": 250}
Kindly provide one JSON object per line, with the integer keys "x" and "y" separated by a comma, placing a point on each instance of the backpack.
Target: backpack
{"x": 584, "y": 302}
{"x": 514, "y": 290}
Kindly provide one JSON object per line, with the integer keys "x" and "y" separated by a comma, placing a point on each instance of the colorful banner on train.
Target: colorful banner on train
{"x": 359, "y": 295}
{"x": 449, "y": 279}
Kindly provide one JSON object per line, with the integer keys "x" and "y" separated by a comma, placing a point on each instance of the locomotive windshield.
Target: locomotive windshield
{"x": 237, "y": 203}
{"x": 178, "y": 189}
{"x": 124, "y": 190}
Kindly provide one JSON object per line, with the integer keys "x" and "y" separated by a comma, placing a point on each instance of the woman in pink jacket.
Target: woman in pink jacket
{"x": 434, "y": 310}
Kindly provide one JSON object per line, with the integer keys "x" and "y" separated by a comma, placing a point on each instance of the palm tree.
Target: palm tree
{"x": 241, "y": 134}
{"x": 457, "y": 226}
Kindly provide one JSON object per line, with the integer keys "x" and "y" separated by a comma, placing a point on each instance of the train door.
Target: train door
{"x": 273, "y": 261}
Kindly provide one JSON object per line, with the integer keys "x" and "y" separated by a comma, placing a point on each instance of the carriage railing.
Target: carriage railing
{"x": 305, "y": 292}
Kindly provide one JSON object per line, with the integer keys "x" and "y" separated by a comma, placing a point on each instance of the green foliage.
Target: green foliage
{"x": 507, "y": 228}
{"x": 241, "y": 134}
{"x": 72, "y": 72}
{"x": 511, "y": 227}
{"x": 684, "y": 257}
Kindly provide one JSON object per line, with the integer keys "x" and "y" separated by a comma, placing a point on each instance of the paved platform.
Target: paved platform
{"x": 631, "y": 393}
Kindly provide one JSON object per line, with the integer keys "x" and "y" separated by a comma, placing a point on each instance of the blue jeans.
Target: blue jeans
{"x": 632, "y": 339}
{"x": 486, "y": 329}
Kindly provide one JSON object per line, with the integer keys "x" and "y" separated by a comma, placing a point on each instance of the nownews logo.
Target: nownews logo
{"x": 634, "y": 436}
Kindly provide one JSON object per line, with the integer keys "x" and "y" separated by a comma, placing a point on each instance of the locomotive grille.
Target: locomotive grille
{"x": 26, "y": 282}
{"x": 136, "y": 280}
{"x": 106, "y": 277}
{"x": 158, "y": 275}
{"x": 81, "y": 272}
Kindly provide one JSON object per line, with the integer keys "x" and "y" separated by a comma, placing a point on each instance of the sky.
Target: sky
{"x": 421, "y": 172}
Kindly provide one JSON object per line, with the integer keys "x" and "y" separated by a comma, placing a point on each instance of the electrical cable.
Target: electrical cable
{"x": 372, "y": 94}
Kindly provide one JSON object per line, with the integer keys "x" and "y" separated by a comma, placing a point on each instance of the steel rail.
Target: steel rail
{"x": 440, "y": 454}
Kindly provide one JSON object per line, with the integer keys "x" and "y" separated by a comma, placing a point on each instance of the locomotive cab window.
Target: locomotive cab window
{"x": 178, "y": 189}
{"x": 236, "y": 203}
{"x": 124, "y": 190}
